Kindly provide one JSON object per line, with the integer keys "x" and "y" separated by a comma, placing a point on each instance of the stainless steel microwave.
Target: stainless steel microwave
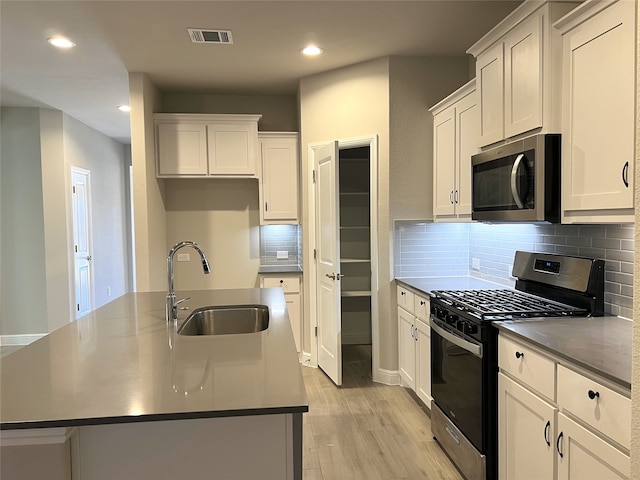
{"x": 518, "y": 182}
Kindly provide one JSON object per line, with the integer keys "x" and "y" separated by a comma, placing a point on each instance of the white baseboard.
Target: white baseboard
{"x": 22, "y": 339}
{"x": 305, "y": 359}
{"x": 387, "y": 377}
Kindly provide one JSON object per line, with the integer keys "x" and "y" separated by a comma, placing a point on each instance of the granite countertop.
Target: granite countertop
{"x": 124, "y": 363}
{"x": 601, "y": 345}
{"x": 263, "y": 269}
{"x": 429, "y": 284}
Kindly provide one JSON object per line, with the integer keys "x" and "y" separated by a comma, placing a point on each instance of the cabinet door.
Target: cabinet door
{"x": 526, "y": 432}
{"x": 444, "y": 160}
{"x": 490, "y": 88}
{"x": 181, "y": 149}
{"x": 523, "y": 77}
{"x": 423, "y": 362}
{"x": 407, "y": 348}
{"x": 293, "y": 309}
{"x": 232, "y": 148}
{"x": 585, "y": 456}
{"x": 467, "y": 131}
{"x": 279, "y": 181}
{"x": 598, "y": 111}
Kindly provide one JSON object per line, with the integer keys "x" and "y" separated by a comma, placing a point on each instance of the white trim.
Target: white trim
{"x": 387, "y": 377}
{"x": 305, "y": 359}
{"x": 370, "y": 141}
{"x": 21, "y": 339}
{"x": 92, "y": 287}
{"x": 35, "y": 436}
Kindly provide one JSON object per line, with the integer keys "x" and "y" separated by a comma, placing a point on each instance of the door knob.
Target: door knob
{"x": 332, "y": 276}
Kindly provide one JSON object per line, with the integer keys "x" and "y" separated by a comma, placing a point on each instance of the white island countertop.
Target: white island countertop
{"x": 123, "y": 363}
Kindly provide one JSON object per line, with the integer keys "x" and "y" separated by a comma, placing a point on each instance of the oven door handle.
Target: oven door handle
{"x": 470, "y": 347}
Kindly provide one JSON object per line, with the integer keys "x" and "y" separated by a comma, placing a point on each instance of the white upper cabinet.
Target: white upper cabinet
{"x": 598, "y": 112}
{"x": 518, "y": 73}
{"x": 279, "y": 178}
{"x": 196, "y": 145}
{"x": 455, "y": 140}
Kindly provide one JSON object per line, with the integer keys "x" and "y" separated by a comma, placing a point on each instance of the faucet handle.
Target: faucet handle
{"x": 178, "y": 302}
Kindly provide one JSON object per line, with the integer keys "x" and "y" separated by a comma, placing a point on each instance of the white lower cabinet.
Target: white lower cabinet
{"x": 583, "y": 455}
{"x": 414, "y": 343}
{"x": 290, "y": 284}
{"x": 526, "y": 431}
{"x": 580, "y": 433}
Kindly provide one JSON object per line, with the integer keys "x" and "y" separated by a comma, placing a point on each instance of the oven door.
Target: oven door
{"x": 456, "y": 380}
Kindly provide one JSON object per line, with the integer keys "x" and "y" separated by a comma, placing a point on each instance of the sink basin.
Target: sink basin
{"x": 226, "y": 320}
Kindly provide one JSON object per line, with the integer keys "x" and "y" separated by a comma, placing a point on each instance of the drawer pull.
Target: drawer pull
{"x": 558, "y": 445}
{"x": 422, "y": 302}
{"x": 546, "y": 432}
{"x": 593, "y": 394}
{"x": 519, "y": 354}
{"x": 402, "y": 293}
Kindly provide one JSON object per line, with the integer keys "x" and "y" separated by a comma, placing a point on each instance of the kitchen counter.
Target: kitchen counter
{"x": 264, "y": 269}
{"x": 429, "y": 284}
{"x": 601, "y": 345}
{"x": 123, "y": 363}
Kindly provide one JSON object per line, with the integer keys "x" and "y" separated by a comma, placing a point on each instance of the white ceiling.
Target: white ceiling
{"x": 117, "y": 37}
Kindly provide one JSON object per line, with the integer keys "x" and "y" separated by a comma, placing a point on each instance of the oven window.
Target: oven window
{"x": 456, "y": 387}
{"x": 493, "y": 189}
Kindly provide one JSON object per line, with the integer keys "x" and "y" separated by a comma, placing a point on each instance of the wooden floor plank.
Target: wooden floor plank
{"x": 364, "y": 430}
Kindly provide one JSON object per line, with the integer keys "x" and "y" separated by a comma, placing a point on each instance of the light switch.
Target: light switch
{"x": 184, "y": 257}
{"x": 282, "y": 254}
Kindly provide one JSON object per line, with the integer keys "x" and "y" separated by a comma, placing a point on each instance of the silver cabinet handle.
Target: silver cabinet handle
{"x": 455, "y": 197}
{"x": 451, "y": 197}
{"x": 625, "y": 174}
{"x": 332, "y": 276}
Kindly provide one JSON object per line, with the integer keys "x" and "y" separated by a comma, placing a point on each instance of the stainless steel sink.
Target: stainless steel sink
{"x": 226, "y": 320}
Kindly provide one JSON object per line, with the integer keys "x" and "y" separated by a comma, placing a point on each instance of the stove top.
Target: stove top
{"x": 503, "y": 304}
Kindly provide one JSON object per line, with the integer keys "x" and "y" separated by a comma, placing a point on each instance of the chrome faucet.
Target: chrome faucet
{"x": 172, "y": 304}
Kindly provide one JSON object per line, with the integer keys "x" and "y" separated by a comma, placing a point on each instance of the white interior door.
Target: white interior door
{"x": 82, "y": 240}
{"x": 328, "y": 316}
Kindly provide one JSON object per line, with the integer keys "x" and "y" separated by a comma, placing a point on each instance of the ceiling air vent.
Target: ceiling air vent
{"x": 199, "y": 35}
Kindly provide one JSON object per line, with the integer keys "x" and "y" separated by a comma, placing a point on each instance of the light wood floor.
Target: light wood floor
{"x": 365, "y": 430}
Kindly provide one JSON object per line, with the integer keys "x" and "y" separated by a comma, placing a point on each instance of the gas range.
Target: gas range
{"x": 464, "y": 347}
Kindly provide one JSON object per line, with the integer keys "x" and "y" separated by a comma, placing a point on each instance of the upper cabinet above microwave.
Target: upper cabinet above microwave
{"x": 197, "y": 145}
{"x": 598, "y": 112}
{"x": 518, "y": 73}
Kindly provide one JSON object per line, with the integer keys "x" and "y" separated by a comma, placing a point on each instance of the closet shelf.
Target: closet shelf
{"x": 356, "y": 293}
{"x": 355, "y": 260}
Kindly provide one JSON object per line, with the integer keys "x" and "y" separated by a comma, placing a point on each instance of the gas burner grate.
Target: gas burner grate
{"x": 504, "y": 302}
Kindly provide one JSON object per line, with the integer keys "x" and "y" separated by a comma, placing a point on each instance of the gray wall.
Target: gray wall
{"x": 39, "y": 146}
{"x": 23, "y": 305}
{"x": 448, "y": 249}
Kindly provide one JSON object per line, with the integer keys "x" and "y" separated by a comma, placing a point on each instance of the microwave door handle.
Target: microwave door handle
{"x": 514, "y": 183}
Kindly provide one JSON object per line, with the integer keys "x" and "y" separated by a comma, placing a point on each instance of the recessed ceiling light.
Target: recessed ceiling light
{"x": 124, "y": 108}
{"x": 312, "y": 50}
{"x": 61, "y": 42}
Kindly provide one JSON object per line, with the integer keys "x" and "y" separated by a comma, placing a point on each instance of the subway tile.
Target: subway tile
{"x": 612, "y": 266}
{"x": 592, "y": 231}
{"x": 612, "y": 287}
{"x": 621, "y": 231}
{"x": 581, "y": 241}
{"x": 627, "y": 245}
{"x": 616, "y": 277}
{"x": 626, "y": 290}
{"x": 626, "y": 313}
{"x": 609, "y": 243}
{"x": 623, "y": 256}
{"x": 626, "y": 267}
{"x": 592, "y": 252}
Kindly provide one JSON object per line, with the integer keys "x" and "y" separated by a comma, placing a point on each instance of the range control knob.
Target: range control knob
{"x": 469, "y": 328}
{"x": 452, "y": 318}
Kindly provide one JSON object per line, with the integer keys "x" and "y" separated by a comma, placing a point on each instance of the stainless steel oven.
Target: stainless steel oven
{"x": 464, "y": 350}
{"x": 518, "y": 182}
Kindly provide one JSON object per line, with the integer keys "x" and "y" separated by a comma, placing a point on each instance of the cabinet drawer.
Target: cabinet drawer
{"x": 406, "y": 299}
{"x": 421, "y": 308}
{"x": 290, "y": 284}
{"x": 528, "y": 366}
{"x": 608, "y": 411}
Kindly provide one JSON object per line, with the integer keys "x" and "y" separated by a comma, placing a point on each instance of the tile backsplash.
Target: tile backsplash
{"x": 280, "y": 238}
{"x": 424, "y": 249}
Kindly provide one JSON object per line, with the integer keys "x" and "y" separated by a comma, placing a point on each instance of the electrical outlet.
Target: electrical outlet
{"x": 108, "y": 291}
{"x": 282, "y": 254}
{"x": 475, "y": 264}
{"x": 184, "y": 257}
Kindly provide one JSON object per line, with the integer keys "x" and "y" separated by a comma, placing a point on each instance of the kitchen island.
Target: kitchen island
{"x": 120, "y": 380}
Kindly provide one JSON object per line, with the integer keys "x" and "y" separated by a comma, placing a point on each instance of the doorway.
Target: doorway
{"x": 82, "y": 245}
{"x": 346, "y": 254}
